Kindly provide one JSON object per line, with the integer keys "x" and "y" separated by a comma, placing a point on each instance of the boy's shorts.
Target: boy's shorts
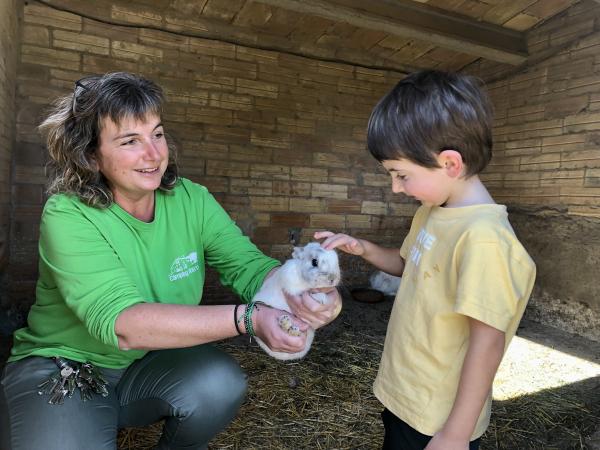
{"x": 401, "y": 436}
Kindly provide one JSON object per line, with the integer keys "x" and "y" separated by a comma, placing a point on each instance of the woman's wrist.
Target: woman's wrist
{"x": 239, "y": 313}
{"x": 246, "y": 317}
{"x": 249, "y": 319}
{"x": 254, "y": 318}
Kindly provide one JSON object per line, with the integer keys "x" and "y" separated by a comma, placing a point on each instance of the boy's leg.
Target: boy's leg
{"x": 198, "y": 390}
{"x": 400, "y": 436}
{"x": 29, "y": 422}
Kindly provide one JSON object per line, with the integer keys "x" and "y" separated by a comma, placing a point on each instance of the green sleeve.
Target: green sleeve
{"x": 241, "y": 265}
{"x": 78, "y": 261}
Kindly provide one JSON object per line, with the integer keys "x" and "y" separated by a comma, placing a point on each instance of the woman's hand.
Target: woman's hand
{"x": 342, "y": 241}
{"x": 313, "y": 312}
{"x": 265, "y": 321}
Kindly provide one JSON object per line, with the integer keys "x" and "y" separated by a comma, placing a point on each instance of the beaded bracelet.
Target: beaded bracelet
{"x": 248, "y": 319}
{"x": 235, "y": 319}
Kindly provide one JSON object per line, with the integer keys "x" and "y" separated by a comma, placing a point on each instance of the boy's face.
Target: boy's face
{"x": 432, "y": 187}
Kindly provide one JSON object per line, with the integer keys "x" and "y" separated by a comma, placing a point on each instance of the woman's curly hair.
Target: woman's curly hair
{"x": 73, "y": 127}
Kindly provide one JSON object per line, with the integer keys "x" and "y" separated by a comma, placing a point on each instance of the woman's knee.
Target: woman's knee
{"x": 198, "y": 380}
{"x": 199, "y": 390}
{"x": 221, "y": 381}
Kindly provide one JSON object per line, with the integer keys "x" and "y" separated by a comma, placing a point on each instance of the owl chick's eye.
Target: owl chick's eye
{"x": 315, "y": 263}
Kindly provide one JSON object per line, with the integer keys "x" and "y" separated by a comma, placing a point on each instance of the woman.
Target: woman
{"x": 123, "y": 247}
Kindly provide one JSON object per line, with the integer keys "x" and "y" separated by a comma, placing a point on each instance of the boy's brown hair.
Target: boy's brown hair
{"x": 431, "y": 111}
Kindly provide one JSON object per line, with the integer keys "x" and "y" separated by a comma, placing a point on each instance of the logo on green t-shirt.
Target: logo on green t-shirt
{"x": 184, "y": 266}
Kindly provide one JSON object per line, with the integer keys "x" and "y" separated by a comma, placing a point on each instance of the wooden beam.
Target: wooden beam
{"x": 183, "y": 24}
{"x": 417, "y": 21}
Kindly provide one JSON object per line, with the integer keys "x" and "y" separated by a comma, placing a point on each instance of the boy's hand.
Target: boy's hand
{"x": 313, "y": 312}
{"x": 442, "y": 442}
{"x": 342, "y": 241}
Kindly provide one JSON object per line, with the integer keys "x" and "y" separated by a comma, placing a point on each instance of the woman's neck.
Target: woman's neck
{"x": 141, "y": 208}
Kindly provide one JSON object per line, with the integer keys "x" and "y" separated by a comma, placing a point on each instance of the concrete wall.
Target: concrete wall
{"x": 546, "y": 164}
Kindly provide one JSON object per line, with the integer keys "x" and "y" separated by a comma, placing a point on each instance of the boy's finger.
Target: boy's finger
{"x": 343, "y": 240}
{"x": 332, "y": 242}
{"x": 322, "y": 234}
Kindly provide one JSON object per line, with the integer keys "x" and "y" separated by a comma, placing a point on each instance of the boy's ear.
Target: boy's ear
{"x": 451, "y": 161}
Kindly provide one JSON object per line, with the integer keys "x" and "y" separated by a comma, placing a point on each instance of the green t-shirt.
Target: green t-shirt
{"x": 95, "y": 262}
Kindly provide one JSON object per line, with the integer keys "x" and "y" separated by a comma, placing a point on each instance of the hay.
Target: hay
{"x": 326, "y": 402}
{"x": 546, "y": 420}
{"x": 323, "y": 402}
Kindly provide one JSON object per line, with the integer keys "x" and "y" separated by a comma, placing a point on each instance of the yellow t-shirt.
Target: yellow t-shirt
{"x": 460, "y": 262}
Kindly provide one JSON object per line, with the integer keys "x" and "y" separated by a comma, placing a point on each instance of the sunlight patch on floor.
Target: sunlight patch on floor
{"x": 529, "y": 367}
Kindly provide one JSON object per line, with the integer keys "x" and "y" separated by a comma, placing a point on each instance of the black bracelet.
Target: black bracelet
{"x": 235, "y": 319}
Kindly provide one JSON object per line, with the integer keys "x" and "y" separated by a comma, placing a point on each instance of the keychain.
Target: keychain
{"x": 70, "y": 375}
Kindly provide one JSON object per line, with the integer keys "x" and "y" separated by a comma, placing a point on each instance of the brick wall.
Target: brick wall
{"x": 9, "y": 25}
{"x": 8, "y": 68}
{"x": 547, "y": 130}
{"x": 546, "y": 163}
{"x": 279, "y": 139}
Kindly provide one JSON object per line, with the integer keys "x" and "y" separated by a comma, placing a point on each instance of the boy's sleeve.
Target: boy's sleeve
{"x": 78, "y": 261}
{"x": 491, "y": 283}
{"x": 241, "y": 265}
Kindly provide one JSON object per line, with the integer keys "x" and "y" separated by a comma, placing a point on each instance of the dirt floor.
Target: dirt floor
{"x": 547, "y": 391}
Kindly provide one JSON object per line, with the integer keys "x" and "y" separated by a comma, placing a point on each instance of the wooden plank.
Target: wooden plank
{"x": 416, "y": 21}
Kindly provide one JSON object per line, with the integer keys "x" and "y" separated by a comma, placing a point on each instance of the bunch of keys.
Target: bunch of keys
{"x": 89, "y": 380}
{"x": 70, "y": 375}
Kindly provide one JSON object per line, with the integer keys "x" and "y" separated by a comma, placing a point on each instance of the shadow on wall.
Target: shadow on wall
{"x": 566, "y": 250}
{"x": 560, "y": 340}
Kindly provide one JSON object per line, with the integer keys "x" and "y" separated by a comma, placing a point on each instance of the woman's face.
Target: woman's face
{"x": 133, "y": 156}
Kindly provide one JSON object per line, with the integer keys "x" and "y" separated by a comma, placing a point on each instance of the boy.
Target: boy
{"x": 465, "y": 277}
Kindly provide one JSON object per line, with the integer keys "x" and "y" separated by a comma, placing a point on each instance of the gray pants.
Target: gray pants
{"x": 198, "y": 391}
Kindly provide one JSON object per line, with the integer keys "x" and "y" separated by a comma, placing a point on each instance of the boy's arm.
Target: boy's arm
{"x": 486, "y": 347}
{"x": 385, "y": 259}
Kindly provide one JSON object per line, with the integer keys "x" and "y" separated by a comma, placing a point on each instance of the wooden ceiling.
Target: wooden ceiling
{"x": 398, "y": 35}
